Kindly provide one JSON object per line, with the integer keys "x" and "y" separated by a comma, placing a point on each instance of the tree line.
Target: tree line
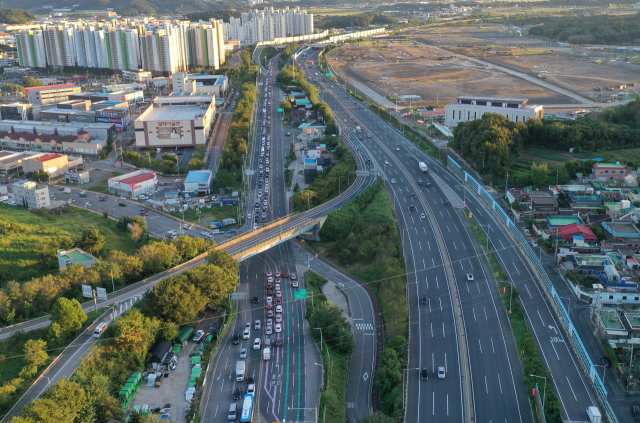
{"x": 358, "y": 20}
{"x": 499, "y": 141}
{"x": 88, "y": 395}
{"x": 19, "y": 301}
{"x": 596, "y": 29}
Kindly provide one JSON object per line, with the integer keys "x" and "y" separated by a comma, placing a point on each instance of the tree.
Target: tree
{"x": 67, "y": 317}
{"x": 214, "y": 283}
{"x": 158, "y": 256}
{"x": 377, "y": 417}
{"x": 92, "y": 240}
{"x": 176, "y": 299}
{"x": 35, "y": 350}
{"x": 40, "y": 176}
{"x": 286, "y": 106}
{"x": 32, "y": 82}
{"x": 336, "y": 331}
{"x": 539, "y": 173}
{"x": 16, "y": 16}
{"x": 64, "y": 402}
{"x": 188, "y": 247}
{"x": 133, "y": 335}
{"x": 196, "y": 164}
{"x": 130, "y": 266}
{"x": 223, "y": 259}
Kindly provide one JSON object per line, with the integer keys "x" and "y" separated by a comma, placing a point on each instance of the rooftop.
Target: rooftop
{"x": 563, "y": 220}
{"x": 633, "y": 318}
{"x": 610, "y": 319}
{"x": 503, "y": 99}
{"x": 48, "y": 87}
{"x": 609, "y": 166}
{"x": 172, "y": 112}
{"x": 48, "y": 157}
{"x": 139, "y": 178}
{"x": 198, "y": 176}
{"x": 78, "y": 256}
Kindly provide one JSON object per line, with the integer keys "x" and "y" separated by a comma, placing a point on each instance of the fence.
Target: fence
{"x": 534, "y": 264}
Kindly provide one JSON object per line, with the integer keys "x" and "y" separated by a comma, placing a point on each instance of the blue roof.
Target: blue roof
{"x": 198, "y": 176}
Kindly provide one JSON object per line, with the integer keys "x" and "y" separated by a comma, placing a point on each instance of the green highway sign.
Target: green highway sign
{"x": 280, "y": 110}
{"x": 300, "y": 295}
{"x": 329, "y": 74}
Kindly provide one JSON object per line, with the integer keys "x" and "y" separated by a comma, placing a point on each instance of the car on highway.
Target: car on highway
{"x": 278, "y": 300}
{"x": 246, "y": 334}
{"x": 256, "y": 325}
{"x": 279, "y": 309}
{"x": 441, "y": 372}
{"x": 635, "y": 411}
{"x": 237, "y": 393}
{"x": 424, "y": 374}
{"x": 269, "y": 312}
{"x": 88, "y": 204}
{"x": 414, "y": 195}
{"x": 269, "y": 274}
{"x": 393, "y": 181}
{"x": 268, "y": 330}
{"x": 243, "y": 353}
{"x": 423, "y": 216}
{"x": 605, "y": 361}
{"x": 256, "y": 300}
{"x": 428, "y": 184}
{"x": 534, "y": 244}
{"x": 257, "y": 344}
{"x": 278, "y": 327}
{"x": 294, "y": 284}
{"x": 278, "y": 318}
{"x": 469, "y": 277}
{"x": 285, "y": 275}
{"x": 412, "y": 208}
{"x": 278, "y": 274}
{"x": 419, "y": 181}
{"x": 386, "y": 162}
{"x": 447, "y": 203}
{"x": 424, "y": 300}
{"x": 278, "y": 294}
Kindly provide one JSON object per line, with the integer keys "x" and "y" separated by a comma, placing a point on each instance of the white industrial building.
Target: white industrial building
{"x": 199, "y": 182}
{"x": 134, "y": 183}
{"x": 200, "y": 83}
{"x": 182, "y": 120}
{"x": 470, "y": 108}
{"x": 31, "y": 194}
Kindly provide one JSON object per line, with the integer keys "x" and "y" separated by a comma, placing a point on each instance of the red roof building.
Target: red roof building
{"x": 567, "y": 232}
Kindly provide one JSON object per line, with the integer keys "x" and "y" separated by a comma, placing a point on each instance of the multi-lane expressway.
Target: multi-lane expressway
{"x": 389, "y": 144}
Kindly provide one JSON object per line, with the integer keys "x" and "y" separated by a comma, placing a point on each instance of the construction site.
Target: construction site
{"x": 440, "y": 64}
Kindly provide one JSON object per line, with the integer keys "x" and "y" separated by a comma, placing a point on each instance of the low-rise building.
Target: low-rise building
{"x": 620, "y": 235}
{"x": 622, "y": 210}
{"x": 536, "y": 205}
{"x": 609, "y": 172}
{"x": 78, "y": 178}
{"x": 469, "y": 108}
{"x": 16, "y": 111}
{"x": 138, "y": 75}
{"x": 31, "y": 195}
{"x": 199, "y": 182}
{"x": 54, "y": 164}
{"x": 134, "y": 183}
{"x": 51, "y": 94}
{"x": 75, "y": 255}
{"x": 200, "y": 83}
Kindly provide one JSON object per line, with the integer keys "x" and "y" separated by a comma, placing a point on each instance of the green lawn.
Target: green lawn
{"x": 214, "y": 214}
{"x": 103, "y": 186}
{"x": 22, "y": 232}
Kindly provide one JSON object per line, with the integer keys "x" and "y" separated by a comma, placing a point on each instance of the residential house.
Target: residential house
{"x": 622, "y": 210}
{"x": 620, "y": 235}
{"x": 608, "y": 172}
{"x": 537, "y": 205}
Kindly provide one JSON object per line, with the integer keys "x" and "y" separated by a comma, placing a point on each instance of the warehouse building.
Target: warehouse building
{"x": 176, "y": 121}
{"x": 134, "y": 183}
{"x": 31, "y": 195}
{"x": 16, "y": 111}
{"x": 199, "y": 182}
{"x": 53, "y": 164}
{"x": 470, "y": 108}
{"x": 51, "y": 94}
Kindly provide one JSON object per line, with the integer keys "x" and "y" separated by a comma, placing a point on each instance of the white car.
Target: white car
{"x": 441, "y": 372}
{"x": 469, "y": 277}
{"x": 294, "y": 284}
{"x": 246, "y": 334}
{"x": 243, "y": 353}
{"x": 134, "y": 198}
{"x": 177, "y": 180}
{"x": 534, "y": 244}
{"x": 393, "y": 181}
{"x": 278, "y": 327}
{"x": 268, "y": 330}
{"x": 256, "y": 325}
{"x": 257, "y": 344}
{"x": 88, "y": 204}
{"x": 278, "y": 308}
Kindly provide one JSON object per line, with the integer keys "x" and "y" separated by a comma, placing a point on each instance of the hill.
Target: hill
{"x": 16, "y": 16}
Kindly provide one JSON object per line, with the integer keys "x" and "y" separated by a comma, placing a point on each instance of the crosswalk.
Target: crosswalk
{"x": 364, "y": 326}
{"x": 453, "y": 197}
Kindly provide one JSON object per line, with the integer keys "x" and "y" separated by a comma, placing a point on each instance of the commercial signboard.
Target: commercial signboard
{"x": 169, "y": 130}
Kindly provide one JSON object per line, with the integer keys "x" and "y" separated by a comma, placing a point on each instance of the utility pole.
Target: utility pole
{"x": 483, "y": 162}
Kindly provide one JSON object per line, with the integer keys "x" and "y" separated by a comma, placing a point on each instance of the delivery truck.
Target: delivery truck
{"x": 423, "y": 167}
{"x": 229, "y": 221}
{"x": 266, "y": 353}
{"x": 240, "y": 370}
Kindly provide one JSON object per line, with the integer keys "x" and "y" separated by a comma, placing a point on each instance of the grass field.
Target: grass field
{"x": 23, "y": 231}
{"x": 103, "y": 186}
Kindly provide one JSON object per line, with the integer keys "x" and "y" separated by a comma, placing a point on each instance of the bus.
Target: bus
{"x": 247, "y": 409}
{"x": 100, "y": 329}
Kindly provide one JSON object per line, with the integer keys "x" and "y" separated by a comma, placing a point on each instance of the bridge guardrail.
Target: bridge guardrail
{"x": 534, "y": 263}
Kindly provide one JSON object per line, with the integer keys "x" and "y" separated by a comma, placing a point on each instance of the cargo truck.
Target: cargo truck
{"x": 423, "y": 167}
{"x": 266, "y": 353}
{"x": 229, "y": 221}
{"x": 240, "y": 369}
{"x": 358, "y": 129}
{"x": 594, "y": 414}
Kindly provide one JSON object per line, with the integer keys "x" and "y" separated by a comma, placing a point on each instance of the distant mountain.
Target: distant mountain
{"x": 15, "y": 16}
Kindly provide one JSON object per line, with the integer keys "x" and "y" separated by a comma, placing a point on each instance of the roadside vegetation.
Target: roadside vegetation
{"x": 177, "y": 300}
{"x": 337, "y": 344}
{"x": 596, "y": 29}
{"x": 286, "y": 54}
{"x": 165, "y": 163}
{"x": 358, "y": 20}
{"x": 267, "y": 54}
{"x": 363, "y": 238}
{"x": 41, "y": 237}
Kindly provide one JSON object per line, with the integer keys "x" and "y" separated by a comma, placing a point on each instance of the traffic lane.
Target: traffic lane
{"x": 571, "y": 388}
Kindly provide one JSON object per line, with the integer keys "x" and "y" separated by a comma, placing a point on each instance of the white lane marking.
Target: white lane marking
{"x": 539, "y": 315}
{"x": 574, "y": 394}
{"x": 480, "y": 345}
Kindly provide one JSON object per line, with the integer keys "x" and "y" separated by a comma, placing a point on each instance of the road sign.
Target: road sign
{"x": 280, "y": 110}
{"x": 300, "y": 295}
{"x": 102, "y": 294}
{"x": 87, "y": 292}
{"x": 329, "y": 74}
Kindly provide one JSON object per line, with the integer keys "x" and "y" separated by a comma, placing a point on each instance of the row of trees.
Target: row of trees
{"x": 165, "y": 163}
{"x": 87, "y": 395}
{"x": 22, "y": 301}
{"x": 332, "y": 180}
{"x": 358, "y": 20}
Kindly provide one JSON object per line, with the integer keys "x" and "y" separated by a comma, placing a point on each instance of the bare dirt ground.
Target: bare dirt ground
{"x": 397, "y": 68}
{"x": 434, "y": 76}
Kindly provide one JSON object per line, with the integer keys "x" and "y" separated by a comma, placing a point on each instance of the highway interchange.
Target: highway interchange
{"x": 440, "y": 252}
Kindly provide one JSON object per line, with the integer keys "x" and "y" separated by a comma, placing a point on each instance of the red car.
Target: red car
{"x": 285, "y": 275}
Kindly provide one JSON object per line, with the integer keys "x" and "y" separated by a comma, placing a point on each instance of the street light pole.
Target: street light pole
{"x": 544, "y": 394}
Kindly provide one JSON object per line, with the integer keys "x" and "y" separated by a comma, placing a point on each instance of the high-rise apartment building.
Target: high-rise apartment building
{"x": 266, "y": 25}
{"x": 31, "y": 50}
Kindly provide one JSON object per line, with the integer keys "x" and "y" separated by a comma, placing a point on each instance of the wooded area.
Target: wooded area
{"x": 596, "y": 29}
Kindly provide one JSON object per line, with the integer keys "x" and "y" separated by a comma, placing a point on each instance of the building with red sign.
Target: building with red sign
{"x": 134, "y": 183}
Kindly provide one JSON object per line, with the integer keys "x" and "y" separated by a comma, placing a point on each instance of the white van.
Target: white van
{"x": 233, "y": 412}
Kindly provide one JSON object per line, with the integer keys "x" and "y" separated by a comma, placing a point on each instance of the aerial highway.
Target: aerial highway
{"x": 569, "y": 382}
{"x": 497, "y": 392}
